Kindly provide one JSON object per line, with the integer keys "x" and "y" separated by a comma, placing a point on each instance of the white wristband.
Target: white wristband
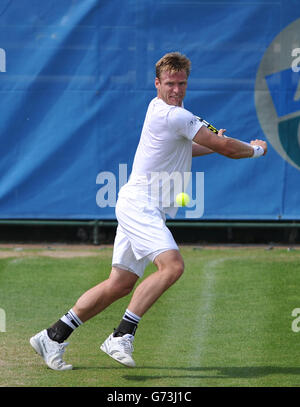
{"x": 258, "y": 151}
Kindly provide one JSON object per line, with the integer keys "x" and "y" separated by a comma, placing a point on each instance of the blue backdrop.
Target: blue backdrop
{"x": 76, "y": 78}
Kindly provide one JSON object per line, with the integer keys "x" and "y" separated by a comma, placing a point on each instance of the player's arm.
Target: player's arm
{"x": 227, "y": 146}
{"x": 200, "y": 150}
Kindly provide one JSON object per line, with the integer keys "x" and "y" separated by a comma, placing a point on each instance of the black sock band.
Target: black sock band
{"x": 59, "y": 331}
{"x": 124, "y": 328}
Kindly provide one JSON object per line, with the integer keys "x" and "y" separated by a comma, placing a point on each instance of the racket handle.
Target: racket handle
{"x": 216, "y": 131}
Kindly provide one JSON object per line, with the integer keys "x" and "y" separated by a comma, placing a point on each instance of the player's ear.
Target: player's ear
{"x": 157, "y": 83}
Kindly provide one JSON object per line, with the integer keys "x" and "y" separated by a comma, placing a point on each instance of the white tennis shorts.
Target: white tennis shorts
{"x": 141, "y": 235}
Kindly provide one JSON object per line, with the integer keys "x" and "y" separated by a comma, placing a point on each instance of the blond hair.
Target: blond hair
{"x": 173, "y": 62}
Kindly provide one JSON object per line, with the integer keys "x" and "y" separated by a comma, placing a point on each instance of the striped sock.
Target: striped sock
{"x": 131, "y": 317}
{"x": 71, "y": 319}
{"x": 63, "y": 328}
{"x": 128, "y": 325}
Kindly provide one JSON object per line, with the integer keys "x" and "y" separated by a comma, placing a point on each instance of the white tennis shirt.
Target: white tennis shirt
{"x": 163, "y": 157}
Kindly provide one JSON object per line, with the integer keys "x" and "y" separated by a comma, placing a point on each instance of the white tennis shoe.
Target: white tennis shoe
{"x": 120, "y": 348}
{"x": 50, "y": 351}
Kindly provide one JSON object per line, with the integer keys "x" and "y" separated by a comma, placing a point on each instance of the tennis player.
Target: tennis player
{"x": 171, "y": 135}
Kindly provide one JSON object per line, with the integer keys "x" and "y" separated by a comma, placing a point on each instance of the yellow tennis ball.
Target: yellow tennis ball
{"x": 182, "y": 199}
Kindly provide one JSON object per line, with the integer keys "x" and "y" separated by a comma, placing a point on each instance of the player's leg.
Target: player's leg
{"x": 119, "y": 345}
{"x": 170, "y": 267}
{"x": 96, "y": 299}
{"x": 143, "y": 229}
{"x": 50, "y": 343}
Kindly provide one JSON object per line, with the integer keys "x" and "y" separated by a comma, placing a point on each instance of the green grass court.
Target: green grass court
{"x": 226, "y": 322}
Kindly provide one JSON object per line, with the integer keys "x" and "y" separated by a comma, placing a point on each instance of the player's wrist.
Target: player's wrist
{"x": 258, "y": 151}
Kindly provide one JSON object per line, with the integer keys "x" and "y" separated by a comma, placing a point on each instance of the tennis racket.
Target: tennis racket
{"x": 214, "y": 129}
{"x": 208, "y": 125}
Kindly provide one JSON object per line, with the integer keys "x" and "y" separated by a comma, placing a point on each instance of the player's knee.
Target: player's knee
{"x": 174, "y": 271}
{"x": 178, "y": 269}
{"x": 120, "y": 282}
{"x": 126, "y": 289}
{"x": 121, "y": 289}
{"x": 171, "y": 265}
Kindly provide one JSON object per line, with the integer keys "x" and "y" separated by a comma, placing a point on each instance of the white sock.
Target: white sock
{"x": 71, "y": 319}
{"x": 131, "y": 317}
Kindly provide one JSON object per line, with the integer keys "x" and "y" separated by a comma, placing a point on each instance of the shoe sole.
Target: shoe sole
{"x": 103, "y": 348}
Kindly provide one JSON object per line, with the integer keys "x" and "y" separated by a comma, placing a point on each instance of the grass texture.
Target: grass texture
{"x": 226, "y": 322}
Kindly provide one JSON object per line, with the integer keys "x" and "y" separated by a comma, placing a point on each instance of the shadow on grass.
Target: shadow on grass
{"x": 217, "y": 372}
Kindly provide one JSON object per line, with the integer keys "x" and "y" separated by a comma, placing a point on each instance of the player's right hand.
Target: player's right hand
{"x": 220, "y": 133}
{"x": 261, "y": 143}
